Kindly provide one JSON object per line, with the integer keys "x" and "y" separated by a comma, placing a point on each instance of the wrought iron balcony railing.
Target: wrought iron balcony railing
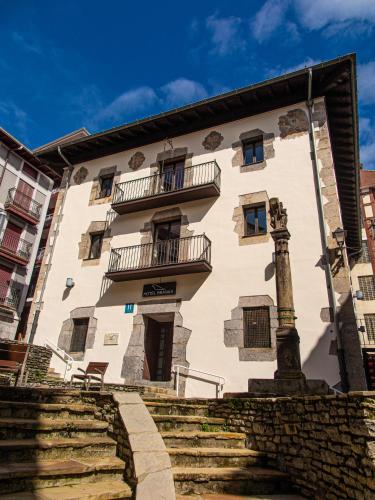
{"x": 40, "y": 255}
{"x": 161, "y": 258}
{"x": 9, "y": 296}
{"x": 185, "y": 184}
{"x": 15, "y": 248}
{"x": 23, "y": 205}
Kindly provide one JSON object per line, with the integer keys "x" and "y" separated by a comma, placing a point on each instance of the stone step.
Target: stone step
{"x": 171, "y": 408}
{"x": 188, "y": 423}
{"x": 235, "y": 480}
{"x": 215, "y": 457}
{"x": 229, "y": 496}
{"x": 22, "y": 428}
{"x": 196, "y": 439}
{"x": 20, "y": 409}
{"x": 27, "y": 476}
{"x": 39, "y": 394}
{"x": 104, "y": 490}
{"x": 25, "y": 450}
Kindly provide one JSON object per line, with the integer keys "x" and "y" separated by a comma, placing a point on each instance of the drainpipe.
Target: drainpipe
{"x": 323, "y": 234}
{"x": 58, "y": 222}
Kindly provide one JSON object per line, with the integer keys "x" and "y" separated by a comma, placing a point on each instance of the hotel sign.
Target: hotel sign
{"x": 157, "y": 289}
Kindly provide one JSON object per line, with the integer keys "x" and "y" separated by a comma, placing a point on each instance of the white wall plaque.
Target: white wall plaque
{"x": 111, "y": 338}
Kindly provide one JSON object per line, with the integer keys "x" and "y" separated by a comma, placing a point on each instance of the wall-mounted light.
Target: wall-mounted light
{"x": 358, "y": 295}
{"x": 339, "y": 235}
{"x": 69, "y": 283}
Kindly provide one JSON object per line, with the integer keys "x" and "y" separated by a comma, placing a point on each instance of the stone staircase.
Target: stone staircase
{"x": 206, "y": 458}
{"x": 57, "y": 449}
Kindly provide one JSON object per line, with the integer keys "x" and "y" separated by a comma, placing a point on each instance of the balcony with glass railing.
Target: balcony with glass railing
{"x": 167, "y": 188}
{"x": 23, "y": 206}
{"x": 9, "y": 296}
{"x": 14, "y": 249}
{"x": 161, "y": 258}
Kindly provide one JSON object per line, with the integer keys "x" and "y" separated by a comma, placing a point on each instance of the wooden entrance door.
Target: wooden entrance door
{"x": 158, "y": 351}
{"x": 11, "y": 237}
{"x": 166, "y": 246}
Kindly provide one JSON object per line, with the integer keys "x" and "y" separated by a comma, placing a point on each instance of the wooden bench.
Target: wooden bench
{"x": 13, "y": 358}
{"x": 93, "y": 373}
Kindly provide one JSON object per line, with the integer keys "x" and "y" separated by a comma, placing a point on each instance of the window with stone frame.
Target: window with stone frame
{"x": 253, "y": 150}
{"x": 255, "y": 219}
{"x": 257, "y": 328}
{"x": 367, "y": 286}
{"x": 79, "y": 335}
{"x": 370, "y": 326}
{"x": 105, "y": 186}
{"x": 365, "y": 256}
{"x": 96, "y": 241}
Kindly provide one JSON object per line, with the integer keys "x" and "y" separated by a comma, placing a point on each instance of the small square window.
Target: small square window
{"x": 255, "y": 220}
{"x": 257, "y": 330}
{"x": 96, "y": 245}
{"x": 79, "y": 335}
{"x": 106, "y": 183}
{"x": 253, "y": 151}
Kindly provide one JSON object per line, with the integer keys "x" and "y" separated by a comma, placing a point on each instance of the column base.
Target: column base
{"x": 258, "y": 388}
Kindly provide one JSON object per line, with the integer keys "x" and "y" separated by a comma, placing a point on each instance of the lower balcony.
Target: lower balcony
{"x": 161, "y": 258}
{"x": 15, "y": 249}
{"x": 9, "y": 296}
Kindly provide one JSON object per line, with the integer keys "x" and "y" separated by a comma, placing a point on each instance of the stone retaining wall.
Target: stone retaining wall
{"x": 38, "y": 360}
{"x": 325, "y": 443}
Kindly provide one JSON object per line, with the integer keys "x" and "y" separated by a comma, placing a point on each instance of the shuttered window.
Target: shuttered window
{"x": 367, "y": 286}
{"x": 257, "y": 331}
{"x": 78, "y": 342}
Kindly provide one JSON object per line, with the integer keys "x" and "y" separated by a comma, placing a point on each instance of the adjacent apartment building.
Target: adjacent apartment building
{"x": 26, "y": 183}
{"x": 162, "y": 259}
{"x": 363, "y": 276}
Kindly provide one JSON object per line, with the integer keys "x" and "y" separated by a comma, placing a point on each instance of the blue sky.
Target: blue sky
{"x": 73, "y": 63}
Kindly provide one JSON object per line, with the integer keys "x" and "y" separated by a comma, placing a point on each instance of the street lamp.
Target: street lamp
{"x": 339, "y": 235}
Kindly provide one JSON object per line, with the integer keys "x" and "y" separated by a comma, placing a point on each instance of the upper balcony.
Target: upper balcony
{"x": 161, "y": 258}
{"x": 167, "y": 188}
{"x": 23, "y": 206}
{"x": 15, "y": 249}
{"x": 9, "y": 296}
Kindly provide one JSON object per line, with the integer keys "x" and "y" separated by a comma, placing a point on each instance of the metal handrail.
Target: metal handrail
{"x": 18, "y": 246}
{"x": 9, "y": 295}
{"x": 219, "y": 384}
{"x": 60, "y": 353}
{"x": 159, "y": 253}
{"x": 160, "y": 183}
{"x": 24, "y": 202}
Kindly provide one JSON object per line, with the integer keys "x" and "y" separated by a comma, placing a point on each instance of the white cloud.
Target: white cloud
{"x": 366, "y": 82}
{"x": 268, "y": 19}
{"x": 182, "y": 91}
{"x": 129, "y": 103}
{"x": 225, "y": 34}
{"x": 306, "y": 63}
{"x": 28, "y": 45}
{"x": 317, "y": 14}
{"x": 367, "y": 135}
{"x": 14, "y": 118}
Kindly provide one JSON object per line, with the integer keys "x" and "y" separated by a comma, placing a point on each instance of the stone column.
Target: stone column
{"x": 287, "y": 338}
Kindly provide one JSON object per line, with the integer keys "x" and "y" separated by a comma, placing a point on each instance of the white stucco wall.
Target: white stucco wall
{"x": 207, "y": 300}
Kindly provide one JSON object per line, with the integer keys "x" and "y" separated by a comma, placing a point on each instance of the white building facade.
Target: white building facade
{"x": 163, "y": 230}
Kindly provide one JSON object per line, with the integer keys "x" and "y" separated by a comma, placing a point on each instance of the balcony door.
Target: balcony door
{"x": 23, "y": 195}
{"x": 11, "y": 238}
{"x": 166, "y": 242}
{"x": 158, "y": 351}
{"x": 5, "y": 277}
{"x": 173, "y": 175}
